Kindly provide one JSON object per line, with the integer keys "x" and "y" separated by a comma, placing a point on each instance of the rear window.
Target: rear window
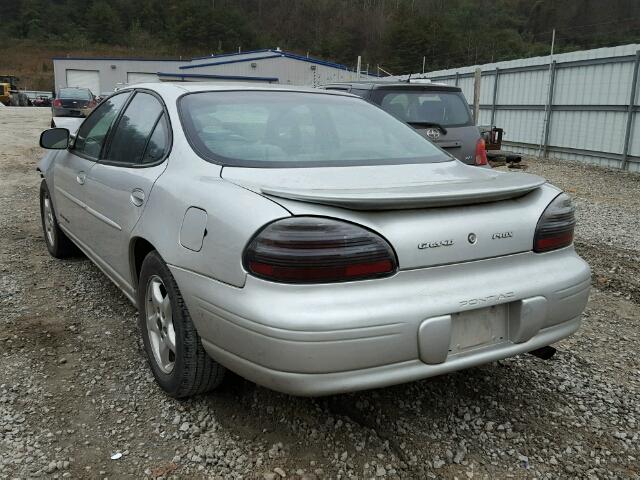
{"x": 75, "y": 93}
{"x": 298, "y": 129}
{"x": 448, "y": 109}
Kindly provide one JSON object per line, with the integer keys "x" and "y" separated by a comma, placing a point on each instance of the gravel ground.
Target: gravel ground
{"x": 77, "y": 399}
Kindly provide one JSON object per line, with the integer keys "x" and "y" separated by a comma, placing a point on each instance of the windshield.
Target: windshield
{"x": 448, "y": 109}
{"x": 75, "y": 93}
{"x": 298, "y": 129}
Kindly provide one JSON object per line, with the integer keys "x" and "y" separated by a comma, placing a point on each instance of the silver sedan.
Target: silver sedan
{"x": 306, "y": 239}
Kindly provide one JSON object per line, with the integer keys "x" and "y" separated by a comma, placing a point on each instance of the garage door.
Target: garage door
{"x": 136, "y": 77}
{"x": 84, "y": 79}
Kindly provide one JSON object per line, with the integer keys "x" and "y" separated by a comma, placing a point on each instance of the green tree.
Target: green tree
{"x": 103, "y": 24}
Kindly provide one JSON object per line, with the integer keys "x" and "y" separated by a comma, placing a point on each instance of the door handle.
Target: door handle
{"x": 137, "y": 197}
{"x": 81, "y": 177}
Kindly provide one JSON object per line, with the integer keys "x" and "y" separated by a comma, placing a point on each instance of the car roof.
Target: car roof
{"x": 179, "y": 88}
{"x": 377, "y": 84}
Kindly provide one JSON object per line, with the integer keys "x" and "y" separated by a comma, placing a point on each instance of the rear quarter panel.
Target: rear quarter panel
{"x": 234, "y": 214}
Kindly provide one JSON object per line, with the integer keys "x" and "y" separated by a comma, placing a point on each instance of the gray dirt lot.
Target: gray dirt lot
{"x": 74, "y": 387}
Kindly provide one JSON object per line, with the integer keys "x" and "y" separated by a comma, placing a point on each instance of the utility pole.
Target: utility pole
{"x": 359, "y": 67}
{"x": 424, "y": 62}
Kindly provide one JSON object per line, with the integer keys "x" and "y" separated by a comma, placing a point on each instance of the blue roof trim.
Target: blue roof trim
{"x": 221, "y": 77}
{"x": 314, "y": 60}
{"x": 276, "y": 53}
{"x": 232, "y": 54}
{"x": 133, "y": 59}
{"x": 251, "y": 59}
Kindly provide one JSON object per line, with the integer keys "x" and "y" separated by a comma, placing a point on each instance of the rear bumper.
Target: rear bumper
{"x": 324, "y": 339}
{"x": 309, "y": 384}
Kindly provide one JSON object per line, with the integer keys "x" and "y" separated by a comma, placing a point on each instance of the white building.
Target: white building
{"x": 102, "y": 75}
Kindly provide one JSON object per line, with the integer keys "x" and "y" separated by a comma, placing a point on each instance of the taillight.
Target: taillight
{"x": 318, "y": 250}
{"x": 555, "y": 227}
{"x": 481, "y": 152}
{"x": 57, "y": 102}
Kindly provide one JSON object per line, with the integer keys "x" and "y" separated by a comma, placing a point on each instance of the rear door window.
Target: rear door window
{"x": 158, "y": 142}
{"x": 134, "y": 129}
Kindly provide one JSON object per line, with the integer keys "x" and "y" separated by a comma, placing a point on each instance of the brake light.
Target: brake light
{"x": 556, "y": 225}
{"x": 57, "y": 102}
{"x": 481, "y": 152}
{"x": 318, "y": 250}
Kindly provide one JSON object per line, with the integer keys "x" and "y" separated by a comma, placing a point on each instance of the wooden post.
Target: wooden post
{"x": 495, "y": 96}
{"x": 547, "y": 116}
{"x": 476, "y": 95}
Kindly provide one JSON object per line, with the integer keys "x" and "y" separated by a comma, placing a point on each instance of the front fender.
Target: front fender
{"x": 45, "y": 165}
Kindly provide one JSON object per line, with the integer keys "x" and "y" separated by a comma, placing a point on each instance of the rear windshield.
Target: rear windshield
{"x": 448, "y": 109}
{"x": 298, "y": 129}
{"x": 75, "y": 93}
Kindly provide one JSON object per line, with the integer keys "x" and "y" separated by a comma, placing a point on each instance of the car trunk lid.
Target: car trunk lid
{"x": 431, "y": 214}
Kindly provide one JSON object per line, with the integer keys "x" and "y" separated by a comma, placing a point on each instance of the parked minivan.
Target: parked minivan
{"x": 438, "y": 112}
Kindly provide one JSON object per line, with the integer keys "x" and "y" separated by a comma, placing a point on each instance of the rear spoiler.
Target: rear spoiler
{"x": 493, "y": 189}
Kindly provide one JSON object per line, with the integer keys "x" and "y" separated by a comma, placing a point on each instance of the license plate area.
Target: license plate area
{"x": 475, "y": 329}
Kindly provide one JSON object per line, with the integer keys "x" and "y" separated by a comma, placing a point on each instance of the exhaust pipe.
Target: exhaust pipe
{"x": 545, "y": 353}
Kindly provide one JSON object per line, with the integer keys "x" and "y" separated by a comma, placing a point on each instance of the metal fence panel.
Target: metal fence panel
{"x": 604, "y": 84}
{"x": 523, "y": 125}
{"x": 584, "y": 108}
{"x": 466, "y": 84}
{"x": 588, "y": 130}
{"x": 523, "y": 88}
{"x": 486, "y": 89}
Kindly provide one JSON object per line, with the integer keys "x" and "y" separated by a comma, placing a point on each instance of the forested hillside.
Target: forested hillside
{"x": 396, "y": 34}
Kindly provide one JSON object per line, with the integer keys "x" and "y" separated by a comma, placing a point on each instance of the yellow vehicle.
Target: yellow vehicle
{"x": 9, "y": 93}
{"x": 5, "y": 93}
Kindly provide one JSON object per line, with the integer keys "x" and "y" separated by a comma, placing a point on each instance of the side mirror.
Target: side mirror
{"x": 55, "y": 139}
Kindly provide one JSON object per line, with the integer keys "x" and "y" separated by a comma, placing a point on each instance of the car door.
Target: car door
{"x": 73, "y": 165}
{"x": 119, "y": 185}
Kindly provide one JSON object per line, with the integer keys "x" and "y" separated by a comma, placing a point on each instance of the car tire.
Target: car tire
{"x": 174, "y": 351}
{"x": 58, "y": 244}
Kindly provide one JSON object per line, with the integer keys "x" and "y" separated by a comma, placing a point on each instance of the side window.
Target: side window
{"x": 93, "y": 131}
{"x": 129, "y": 140}
{"x": 158, "y": 143}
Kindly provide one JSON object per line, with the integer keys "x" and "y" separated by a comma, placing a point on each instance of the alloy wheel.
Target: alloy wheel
{"x": 162, "y": 335}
